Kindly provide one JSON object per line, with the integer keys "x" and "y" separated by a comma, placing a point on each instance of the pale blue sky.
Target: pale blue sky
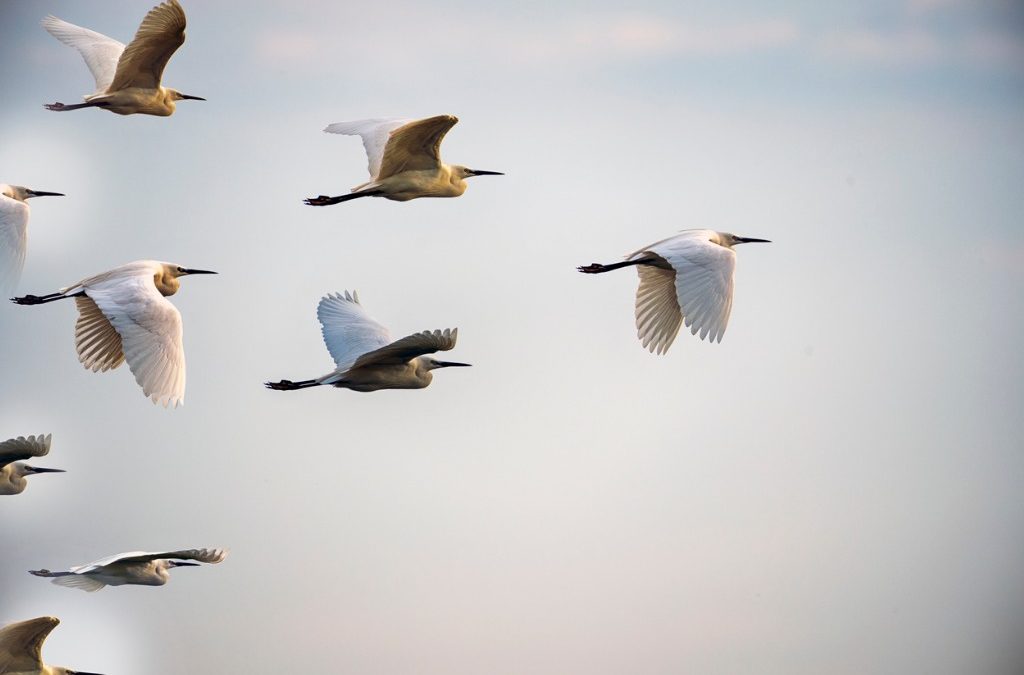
{"x": 836, "y": 487}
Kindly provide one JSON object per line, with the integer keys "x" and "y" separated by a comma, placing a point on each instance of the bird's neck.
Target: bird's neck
{"x": 166, "y": 284}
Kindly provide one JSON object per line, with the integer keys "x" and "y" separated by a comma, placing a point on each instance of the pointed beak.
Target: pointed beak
{"x": 39, "y": 469}
{"x": 81, "y": 672}
{"x": 185, "y": 564}
{"x": 40, "y": 193}
{"x": 186, "y": 97}
{"x": 751, "y": 240}
{"x": 481, "y": 172}
{"x": 189, "y": 271}
{"x": 450, "y": 364}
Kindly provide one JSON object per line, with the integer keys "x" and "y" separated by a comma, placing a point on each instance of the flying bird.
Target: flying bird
{"x": 686, "y": 278}
{"x": 405, "y": 160}
{"x": 367, "y": 357}
{"x": 14, "y": 231}
{"x": 21, "y": 647}
{"x": 13, "y": 470}
{"x": 137, "y": 568}
{"x": 123, "y": 315}
{"x": 128, "y": 78}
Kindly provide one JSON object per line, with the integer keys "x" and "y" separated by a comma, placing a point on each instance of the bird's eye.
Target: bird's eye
{"x": 181, "y": 269}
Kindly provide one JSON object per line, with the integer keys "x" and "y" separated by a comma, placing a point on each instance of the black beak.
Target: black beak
{"x": 188, "y": 271}
{"x": 186, "y": 97}
{"x": 481, "y": 172}
{"x": 81, "y": 672}
{"x": 449, "y": 364}
{"x": 751, "y": 240}
{"x": 38, "y": 193}
{"x": 186, "y": 564}
{"x": 37, "y": 469}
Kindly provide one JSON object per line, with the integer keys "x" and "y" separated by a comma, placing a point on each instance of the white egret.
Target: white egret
{"x": 21, "y": 647}
{"x": 405, "y": 160}
{"x": 128, "y": 78}
{"x": 13, "y": 470}
{"x": 687, "y": 277}
{"x": 14, "y": 231}
{"x": 123, "y": 315}
{"x": 366, "y": 356}
{"x": 137, "y": 568}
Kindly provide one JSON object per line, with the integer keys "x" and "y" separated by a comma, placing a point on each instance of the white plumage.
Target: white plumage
{"x": 21, "y": 648}
{"x": 140, "y": 568}
{"x": 14, "y": 213}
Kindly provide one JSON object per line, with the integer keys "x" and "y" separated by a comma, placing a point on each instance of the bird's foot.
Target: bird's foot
{"x": 592, "y": 268}
{"x": 322, "y": 200}
{"x": 39, "y": 573}
{"x": 58, "y": 106}
{"x": 28, "y": 300}
{"x": 283, "y": 385}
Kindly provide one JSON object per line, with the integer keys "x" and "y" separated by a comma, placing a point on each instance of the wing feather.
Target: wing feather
{"x": 348, "y": 330}
{"x": 96, "y": 340}
{"x": 143, "y": 61}
{"x": 24, "y": 447}
{"x": 100, "y": 52}
{"x": 374, "y": 133}
{"x": 415, "y": 146}
{"x": 79, "y": 581}
{"x": 409, "y": 347}
{"x": 703, "y": 280}
{"x": 657, "y": 311}
{"x": 21, "y": 644}
{"x": 13, "y": 241}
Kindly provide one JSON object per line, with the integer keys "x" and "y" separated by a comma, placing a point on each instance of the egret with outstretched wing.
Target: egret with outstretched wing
{"x": 138, "y": 568}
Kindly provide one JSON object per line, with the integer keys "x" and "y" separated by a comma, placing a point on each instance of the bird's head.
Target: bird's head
{"x": 729, "y": 239}
{"x": 175, "y": 271}
{"x": 22, "y": 193}
{"x": 432, "y": 363}
{"x": 466, "y": 172}
{"x": 176, "y": 95}
{"x": 167, "y": 275}
{"x": 26, "y": 470}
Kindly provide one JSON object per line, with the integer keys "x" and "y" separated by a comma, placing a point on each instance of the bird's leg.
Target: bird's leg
{"x": 288, "y": 385}
{"x": 48, "y": 573}
{"x": 62, "y": 107}
{"x": 324, "y": 200}
{"x": 43, "y": 299}
{"x": 598, "y": 268}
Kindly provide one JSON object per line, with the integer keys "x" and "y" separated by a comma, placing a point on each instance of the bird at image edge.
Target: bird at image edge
{"x": 128, "y": 78}
{"x": 124, "y": 315}
{"x": 404, "y": 160}
{"x": 366, "y": 356}
{"x": 14, "y": 213}
{"x": 21, "y": 648}
{"x": 13, "y": 470}
{"x": 685, "y": 278}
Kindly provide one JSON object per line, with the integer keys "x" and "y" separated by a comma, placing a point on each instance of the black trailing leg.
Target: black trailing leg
{"x": 288, "y": 385}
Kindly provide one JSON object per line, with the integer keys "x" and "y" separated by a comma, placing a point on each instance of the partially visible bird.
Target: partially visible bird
{"x": 21, "y": 647}
{"x": 405, "y": 160}
{"x": 123, "y": 316}
{"x": 367, "y": 357}
{"x": 14, "y": 231}
{"x": 133, "y": 568}
{"x": 685, "y": 278}
{"x": 13, "y": 471}
{"x": 128, "y": 78}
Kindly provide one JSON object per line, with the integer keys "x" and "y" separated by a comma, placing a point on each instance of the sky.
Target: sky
{"x": 835, "y": 487}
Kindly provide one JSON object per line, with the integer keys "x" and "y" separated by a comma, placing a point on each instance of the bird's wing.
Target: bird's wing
{"x": 150, "y": 330}
{"x": 22, "y": 447}
{"x": 103, "y": 562}
{"x": 79, "y": 581}
{"x": 415, "y": 146}
{"x": 159, "y": 36}
{"x": 704, "y": 281}
{"x": 13, "y": 241}
{"x": 206, "y": 555}
{"x": 657, "y": 311}
{"x": 349, "y": 332}
{"x": 374, "y": 133}
{"x": 21, "y": 644}
{"x": 408, "y": 348}
{"x": 97, "y": 342}
{"x": 99, "y": 51}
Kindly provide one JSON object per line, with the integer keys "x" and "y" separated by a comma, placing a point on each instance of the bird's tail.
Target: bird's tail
{"x": 288, "y": 385}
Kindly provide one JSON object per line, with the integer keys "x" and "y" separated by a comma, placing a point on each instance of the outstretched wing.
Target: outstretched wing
{"x": 13, "y": 241}
{"x": 150, "y": 330}
{"x": 349, "y": 332}
{"x": 96, "y": 339}
{"x": 374, "y": 133}
{"x": 703, "y": 280}
{"x": 205, "y": 555}
{"x": 100, "y": 52}
{"x": 415, "y": 146}
{"x": 657, "y": 311}
{"x": 143, "y": 61}
{"x": 21, "y": 644}
{"x": 408, "y": 348}
{"x": 22, "y": 447}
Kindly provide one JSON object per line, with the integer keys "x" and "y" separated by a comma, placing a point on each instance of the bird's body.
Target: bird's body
{"x": 366, "y": 356}
{"x": 14, "y": 212}
{"x": 13, "y": 471}
{"x": 135, "y": 568}
{"x": 123, "y": 315}
{"x": 128, "y": 78}
{"x": 404, "y": 160}
{"x": 684, "y": 278}
{"x": 21, "y": 647}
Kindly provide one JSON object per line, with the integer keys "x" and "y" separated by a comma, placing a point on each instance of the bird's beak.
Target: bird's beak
{"x": 81, "y": 672}
{"x": 188, "y": 271}
{"x": 186, "y": 97}
{"x": 38, "y": 193}
{"x": 185, "y": 564}
{"x": 38, "y": 469}
{"x": 449, "y": 364}
{"x": 751, "y": 240}
{"x": 481, "y": 172}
